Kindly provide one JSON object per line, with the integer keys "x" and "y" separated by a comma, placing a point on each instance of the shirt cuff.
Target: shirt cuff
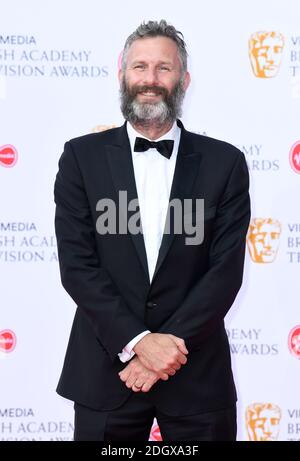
{"x": 128, "y": 352}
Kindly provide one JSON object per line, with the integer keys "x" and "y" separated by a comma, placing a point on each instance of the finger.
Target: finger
{"x": 175, "y": 367}
{"x": 139, "y": 384}
{"x": 180, "y": 344}
{"x": 131, "y": 378}
{"x": 181, "y": 358}
{"x": 124, "y": 376}
{"x": 147, "y": 386}
{"x": 176, "y": 362}
{"x": 135, "y": 389}
{"x": 183, "y": 349}
{"x": 131, "y": 381}
{"x": 171, "y": 371}
{"x": 125, "y": 373}
{"x": 164, "y": 376}
{"x": 149, "y": 383}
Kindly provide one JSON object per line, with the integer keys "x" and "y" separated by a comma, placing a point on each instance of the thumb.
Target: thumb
{"x": 180, "y": 344}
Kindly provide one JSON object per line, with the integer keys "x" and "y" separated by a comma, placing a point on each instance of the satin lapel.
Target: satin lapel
{"x": 186, "y": 170}
{"x": 121, "y": 167}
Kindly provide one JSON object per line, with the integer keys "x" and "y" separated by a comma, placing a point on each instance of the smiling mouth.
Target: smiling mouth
{"x": 149, "y": 93}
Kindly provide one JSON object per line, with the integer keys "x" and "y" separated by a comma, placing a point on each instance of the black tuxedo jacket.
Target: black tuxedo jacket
{"x": 106, "y": 275}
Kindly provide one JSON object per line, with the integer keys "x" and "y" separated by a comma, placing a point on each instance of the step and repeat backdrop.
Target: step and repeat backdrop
{"x": 58, "y": 80}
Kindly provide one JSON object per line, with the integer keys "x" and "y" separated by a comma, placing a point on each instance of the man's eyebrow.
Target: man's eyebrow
{"x": 138, "y": 61}
{"x": 143, "y": 61}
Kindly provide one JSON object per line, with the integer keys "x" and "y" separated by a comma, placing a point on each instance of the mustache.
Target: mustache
{"x": 167, "y": 109}
{"x": 158, "y": 90}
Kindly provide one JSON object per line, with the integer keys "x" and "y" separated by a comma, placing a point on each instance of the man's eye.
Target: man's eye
{"x": 164, "y": 68}
{"x": 139, "y": 66}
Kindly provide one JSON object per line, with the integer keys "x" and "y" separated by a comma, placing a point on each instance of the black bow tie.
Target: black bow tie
{"x": 164, "y": 147}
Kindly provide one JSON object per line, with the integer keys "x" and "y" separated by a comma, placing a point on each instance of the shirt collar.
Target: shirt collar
{"x": 173, "y": 134}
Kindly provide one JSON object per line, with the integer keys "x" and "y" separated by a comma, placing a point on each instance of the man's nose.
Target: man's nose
{"x": 150, "y": 77}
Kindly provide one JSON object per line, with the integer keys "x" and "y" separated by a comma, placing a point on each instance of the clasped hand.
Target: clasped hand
{"x": 158, "y": 356}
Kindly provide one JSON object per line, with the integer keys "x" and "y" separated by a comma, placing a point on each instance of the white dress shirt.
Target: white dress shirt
{"x": 153, "y": 177}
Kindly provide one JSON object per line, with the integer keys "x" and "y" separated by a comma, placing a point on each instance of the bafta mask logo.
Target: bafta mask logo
{"x": 294, "y": 341}
{"x": 295, "y": 157}
{"x": 265, "y": 52}
{"x": 262, "y": 422}
{"x": 263, "y": 239}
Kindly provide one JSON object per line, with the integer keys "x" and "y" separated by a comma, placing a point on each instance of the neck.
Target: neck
{"x": 153, "y": 131}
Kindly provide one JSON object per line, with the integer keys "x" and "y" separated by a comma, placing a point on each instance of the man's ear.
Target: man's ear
{"x": 187, "y": 81}
{"x": 120, "y": 75}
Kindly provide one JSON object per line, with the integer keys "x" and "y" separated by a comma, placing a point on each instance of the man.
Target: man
{"x": 148, "y": 337}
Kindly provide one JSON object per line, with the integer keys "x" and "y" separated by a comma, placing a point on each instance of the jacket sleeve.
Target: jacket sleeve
{"x": 89, "y": 285}
{"x": 207, "y": 303}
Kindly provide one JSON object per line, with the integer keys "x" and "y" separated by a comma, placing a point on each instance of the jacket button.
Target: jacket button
{"x": 151, "y": 305}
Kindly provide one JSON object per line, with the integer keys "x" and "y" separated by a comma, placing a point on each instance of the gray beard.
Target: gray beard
{"x": 145, "y": 114}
